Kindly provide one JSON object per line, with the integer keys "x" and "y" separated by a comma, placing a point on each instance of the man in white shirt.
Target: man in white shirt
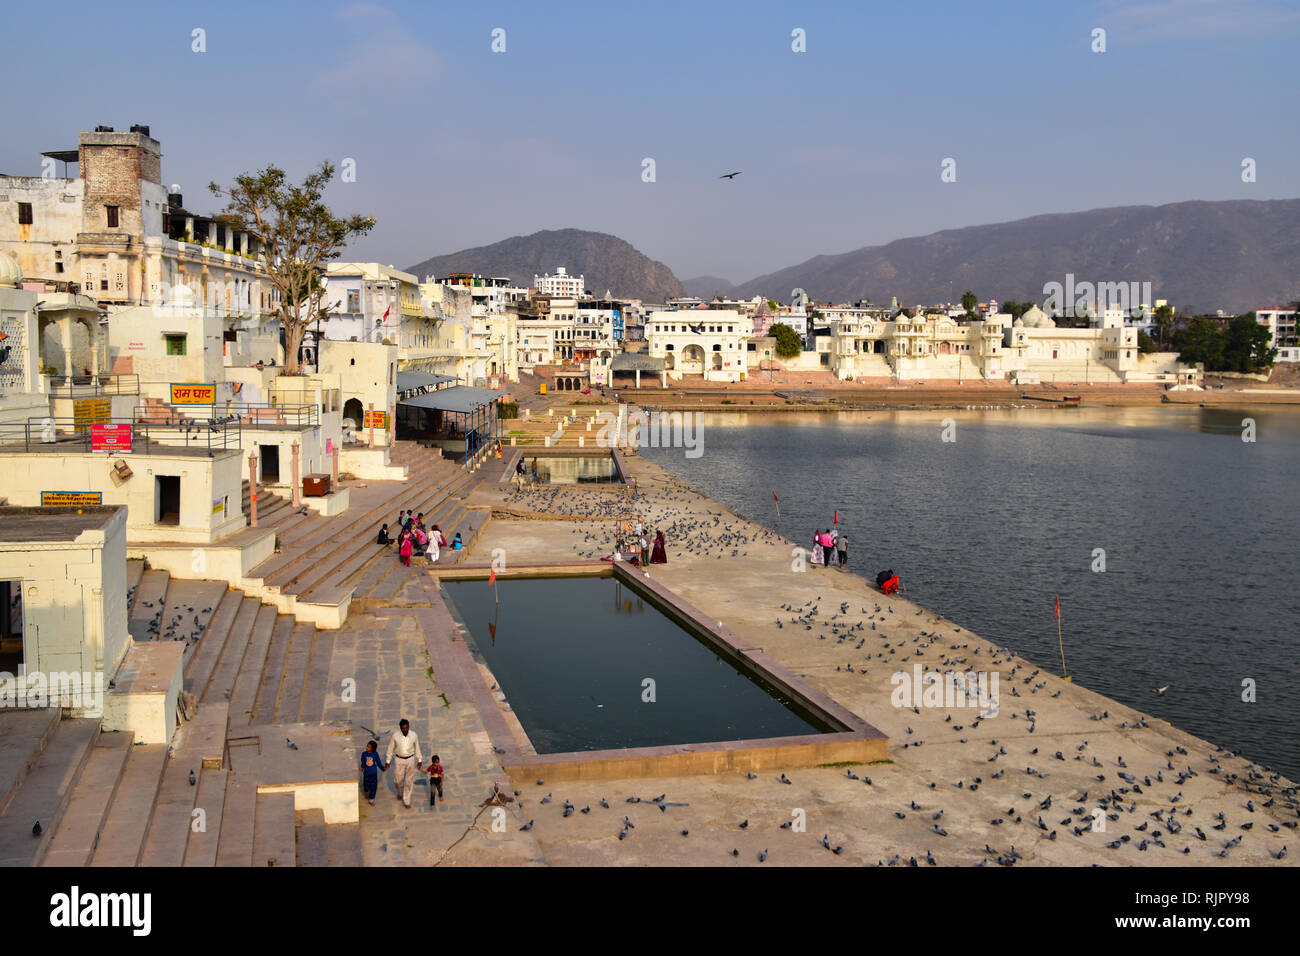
{"x": 405, "y": 746}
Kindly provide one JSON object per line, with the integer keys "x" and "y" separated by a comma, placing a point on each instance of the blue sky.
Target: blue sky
{"x": 840, "y": 146}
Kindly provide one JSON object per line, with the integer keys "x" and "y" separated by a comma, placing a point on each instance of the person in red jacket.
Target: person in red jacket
{"x": 435, "y": 780}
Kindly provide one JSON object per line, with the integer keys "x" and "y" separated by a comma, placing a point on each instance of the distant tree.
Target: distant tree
{"x": 1164, "y": 322}
{"x": 905, "y": 313}
{"x": 1247, "y": 347}
{"x": 1016, "y": 309}
{"x": 788, "y": 342}
{"x": 1201, "y": 340}
{"x": 771, "y": 304}
{"x": 969, "y": 301}
{"x": 1145, "y": 345}
{"x": 300, "y": 233}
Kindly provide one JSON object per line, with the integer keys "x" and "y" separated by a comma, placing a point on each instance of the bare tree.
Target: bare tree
{"x": 300, "y": 234}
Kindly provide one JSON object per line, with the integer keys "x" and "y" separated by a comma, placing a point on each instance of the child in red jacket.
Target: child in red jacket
{"x": 435, "y": 780}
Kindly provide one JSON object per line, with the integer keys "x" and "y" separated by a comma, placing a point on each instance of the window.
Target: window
{"x": 175, "y": 344}
{"x": 354, "y": 300}
{"x": 111, "y": 213}
{"x": 24, "y": 214}
{"x": 58, "y": 267}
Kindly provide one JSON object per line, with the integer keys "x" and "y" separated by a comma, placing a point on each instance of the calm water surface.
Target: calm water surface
{"x": 571, "y": 655}
{"x": 1199, "y": 532}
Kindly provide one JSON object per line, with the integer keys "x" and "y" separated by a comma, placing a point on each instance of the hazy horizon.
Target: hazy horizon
{"x": 840, "y": 147}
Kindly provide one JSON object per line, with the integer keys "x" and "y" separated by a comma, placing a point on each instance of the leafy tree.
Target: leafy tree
{"x": 771, "y": 304}
{"x": 969, "y": 301}
{"x": 300, "y": 234}
{"x": 1145, "y": 345}
{"x": 1246, "y": 347}
{"x": 905, "y": 313}
{"x": 1201, "y": 340}
{"x": 1163, "y": 319}
{"x": 1016, "y": 309}
{"x": 788, "y": 342}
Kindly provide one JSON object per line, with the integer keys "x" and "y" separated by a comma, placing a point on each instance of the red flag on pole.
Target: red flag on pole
{"x": 837, "y": 517}
{"x": 774, "y": 497}
{"x": 492, "y": 577}
{"x": 386, "y": 311}
{"x": 1058, "y": 607}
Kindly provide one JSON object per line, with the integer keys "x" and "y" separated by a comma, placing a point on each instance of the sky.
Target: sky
{"x": 840, "y": 145}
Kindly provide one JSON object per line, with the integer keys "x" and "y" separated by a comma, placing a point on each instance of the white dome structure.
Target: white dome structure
{"x": 1036, "y": 318}
{"x": 11, "y": 276}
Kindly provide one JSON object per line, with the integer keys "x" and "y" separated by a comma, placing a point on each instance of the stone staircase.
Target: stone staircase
{"x": 104, "y": 800}
{"x": 320, "y": 562}
{"x": 273, "y": 510}
{"x": 380, "y": 581}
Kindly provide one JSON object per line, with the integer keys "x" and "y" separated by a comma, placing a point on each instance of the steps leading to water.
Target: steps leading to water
{"x": 320, "y": 560}
{"x": 121, "y": 839}
{"x": 77, "y": 836}
{"x": 45, "y": 792}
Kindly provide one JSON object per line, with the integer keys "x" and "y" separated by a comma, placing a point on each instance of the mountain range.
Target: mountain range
{"x": 1234, "y": 255}
{"x": 604, "y": 261}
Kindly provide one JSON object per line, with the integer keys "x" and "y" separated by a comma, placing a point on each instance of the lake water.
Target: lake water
{"x": 572, "y": 655}
{"x": 1198, "y": 528}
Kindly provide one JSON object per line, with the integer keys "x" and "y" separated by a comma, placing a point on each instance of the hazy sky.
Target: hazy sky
{"x": 840, "y": 146}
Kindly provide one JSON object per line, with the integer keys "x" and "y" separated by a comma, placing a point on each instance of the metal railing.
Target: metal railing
{"x": 70, "y": 436}
{"x": 80, "y": 386}
{"x": 251, "y": 414}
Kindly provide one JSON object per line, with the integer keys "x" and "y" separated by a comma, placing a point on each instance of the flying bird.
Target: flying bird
{"x": 731, "y": 175}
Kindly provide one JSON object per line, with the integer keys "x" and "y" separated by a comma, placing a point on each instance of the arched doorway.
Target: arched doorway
{"x": 353, "y": 412}
{"x": 693, "y": 359}
{"x": 944, "y": 348}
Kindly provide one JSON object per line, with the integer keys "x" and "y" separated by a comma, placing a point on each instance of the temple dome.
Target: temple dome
{"x": 1036, "y": 318}
{"x": 11, "y": 276}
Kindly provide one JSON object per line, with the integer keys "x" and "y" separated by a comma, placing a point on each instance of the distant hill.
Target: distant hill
{"x": 606, "y": 262}
{"x": 1234, "y": 255}
{"x": 706, "y": 287}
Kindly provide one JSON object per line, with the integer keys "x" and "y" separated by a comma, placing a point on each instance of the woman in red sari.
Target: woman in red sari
{"x": 405, "y": 549}
{"x": 660, "y": 553}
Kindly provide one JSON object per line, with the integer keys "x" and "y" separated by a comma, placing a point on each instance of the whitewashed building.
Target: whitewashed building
{"x": 561, "y": 284}
{"x": 712, "y": 343}
{"x": 1281, "y": 325}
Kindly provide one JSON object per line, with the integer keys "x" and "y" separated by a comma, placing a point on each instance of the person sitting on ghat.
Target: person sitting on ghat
{"x": 383, "y": 536}
{"x": 456, "y": 543}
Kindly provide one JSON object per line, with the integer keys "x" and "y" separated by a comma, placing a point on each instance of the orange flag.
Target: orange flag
{"x": 492, "y": 577}
{"x": 1058, "y": 607}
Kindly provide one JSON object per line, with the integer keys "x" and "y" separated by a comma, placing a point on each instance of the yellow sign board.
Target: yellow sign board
{"x": 218, "y": 506}
{"x": 188, "y": 394}
{"x": 89, "y": 411}
{"x": 377, "y": 419}
{"x": 71, "y": 499}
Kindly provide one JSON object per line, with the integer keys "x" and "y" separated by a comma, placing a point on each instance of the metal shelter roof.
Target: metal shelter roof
{"x": 459, "y": 398}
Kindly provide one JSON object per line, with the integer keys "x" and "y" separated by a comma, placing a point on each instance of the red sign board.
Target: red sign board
{"x": 110, "y": 438}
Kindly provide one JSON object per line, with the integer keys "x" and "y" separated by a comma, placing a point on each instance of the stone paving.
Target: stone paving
{"x": 387, "y": 657}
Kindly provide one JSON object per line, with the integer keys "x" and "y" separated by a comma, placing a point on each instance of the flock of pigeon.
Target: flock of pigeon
{"x": 1039, "y": 780}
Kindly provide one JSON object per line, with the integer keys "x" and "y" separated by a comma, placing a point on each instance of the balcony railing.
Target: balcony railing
{"x": 69, "y": 436}
{"x": 251, "y": 414}
{"x": 81, "y": 386}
